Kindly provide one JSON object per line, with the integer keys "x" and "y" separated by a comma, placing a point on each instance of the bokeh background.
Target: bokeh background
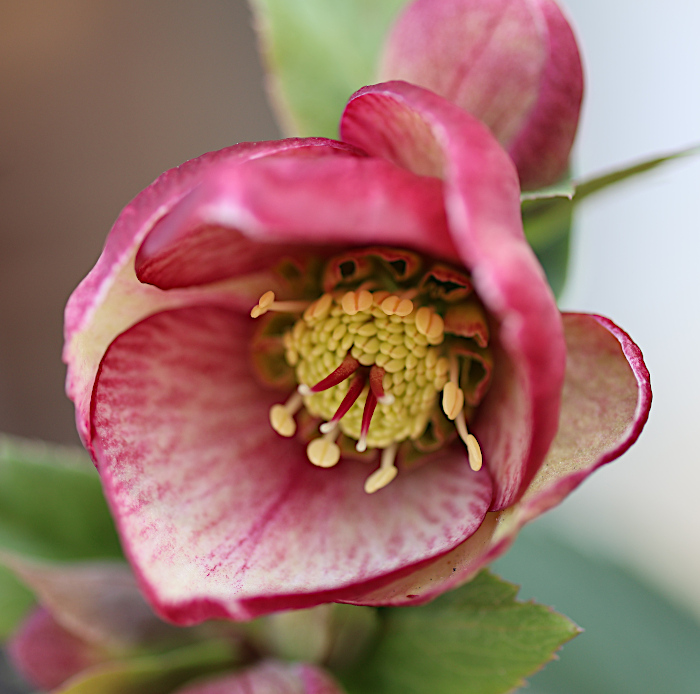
{"x": 99, "y": 97}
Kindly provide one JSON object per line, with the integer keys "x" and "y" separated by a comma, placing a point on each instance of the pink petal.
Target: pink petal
{"x": 243, "y": 218}
{"x": 419, "y": 130}
{"x": 46, "y": 654}
{"x": 223, "y": 518}
{"x": 605, "y": 405}
{"x": 110, "y": 298}
{"x": 486, "y": 56}
{"x": 514, "y": 64}
{"x": 542, "y": 146}
{"x": 98, "y": 602}
{"x": 269, "y": 678}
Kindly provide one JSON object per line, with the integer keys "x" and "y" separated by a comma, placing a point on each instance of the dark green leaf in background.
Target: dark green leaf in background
{"x": 318, "y": 53}
{"x": 51, "y": 504}
{"x": 15, "y": 601}
{"x": 635, "y": 639}
{"x": 475, "y": 640}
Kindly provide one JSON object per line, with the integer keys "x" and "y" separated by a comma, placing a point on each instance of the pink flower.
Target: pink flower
{"x": 514, "y": 64}
{"x": 172, "y": 379}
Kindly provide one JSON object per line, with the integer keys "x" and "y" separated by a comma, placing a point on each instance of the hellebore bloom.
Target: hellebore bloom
{"x": 403, "y": 328}
{"x": 514, "y": 64}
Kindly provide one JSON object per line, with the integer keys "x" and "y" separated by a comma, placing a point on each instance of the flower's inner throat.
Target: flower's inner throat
{"x": 371, "y": 354}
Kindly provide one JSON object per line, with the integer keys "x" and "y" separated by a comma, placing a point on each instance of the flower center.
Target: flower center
{"x": 371, "y": 355}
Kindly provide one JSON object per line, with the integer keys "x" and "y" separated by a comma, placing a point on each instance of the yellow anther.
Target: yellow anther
{"x": 378, "y": 297}
{"x": 319, "y": 309}
{"x": 473, "y": 448}
{"x": 263, "y": 305}
{"x": 323, "y": 452}
{"x": 386, "y": 473}
{"x": 452, "y": 400}
{"x": 430, "y": 324}
{"x": 282, "y": 421}
{"x": 354, "y": 302}
{"x": 474, "y": 453}
{"x": 395, "y": 305}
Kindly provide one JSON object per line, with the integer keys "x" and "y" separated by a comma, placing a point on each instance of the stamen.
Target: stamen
{"x": 354, "y": 302}
{"x": 473, "y": 448}
{"x": 319, "y": 309}
{"x": 396, "y": 305}
{"x": 430, "y": 324}
{"x": 267, "y": 303}
{"x": 386, "y": 473}
{"x": 345, "y": 370}
{"x": 452, "y": 394}
{"x": 358, "y": 383}
{"x": 370, "y": 405}
{"x": 452, "y": 400}
{"x": 376, "y": 383}
{"x": 282, "y": 416}
{"x": 324, "y": 452}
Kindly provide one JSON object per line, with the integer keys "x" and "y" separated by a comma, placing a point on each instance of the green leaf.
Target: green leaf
{"x": 636, "y": 640}
{"x": 154, "y": 674}
{"x": 475, "y": 640}
{"x": 318, "y": 53}
{"x": 51, "y": 504}
{"x": 15, "y": 601}
{"x": 547, "y": 212}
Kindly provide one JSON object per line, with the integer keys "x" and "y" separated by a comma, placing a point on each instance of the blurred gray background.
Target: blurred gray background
{"x": 100, "y": 97}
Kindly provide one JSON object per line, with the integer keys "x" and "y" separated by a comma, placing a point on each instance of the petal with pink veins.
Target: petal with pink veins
{"x": 605, "y": 405}
{"x": 111, "y": 299}
{"x": 223, "y": 518}
{"x": 269, "y": 678}
{"x": 417, "y": 129}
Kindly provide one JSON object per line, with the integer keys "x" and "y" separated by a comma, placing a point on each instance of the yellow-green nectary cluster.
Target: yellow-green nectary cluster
{"x": 416, "y": 370}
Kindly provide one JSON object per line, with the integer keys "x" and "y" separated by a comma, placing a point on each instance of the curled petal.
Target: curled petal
{"x": 269, "y": 677}
{"x": 244, "y": 218}
{"x": 417, "y": 129}
{"x": 220, "y": 516}
{"x": 605, "y": 405}
{"x": 110, "y": 298}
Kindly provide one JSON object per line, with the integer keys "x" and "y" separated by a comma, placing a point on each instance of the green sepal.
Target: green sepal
{"x": 51, "y": 504}
{"x": 154, "y": 674}
{"x": 475, "y": 640}
{"x": 318, "y": 53}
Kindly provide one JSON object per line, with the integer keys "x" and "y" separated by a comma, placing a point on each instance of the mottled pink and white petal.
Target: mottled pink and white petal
{"x": 222, "y": 517}
{"x": 417, "y": 129}
{"x": 269, "y": 677}
{"x": 47, "y": 655}
{"x": 111, "y": 298}
{"x": 542, "y": 145}
{"x": 605, "y": 405}
{"x": 243, "y": 218}
{"x": 486, "y": 56}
